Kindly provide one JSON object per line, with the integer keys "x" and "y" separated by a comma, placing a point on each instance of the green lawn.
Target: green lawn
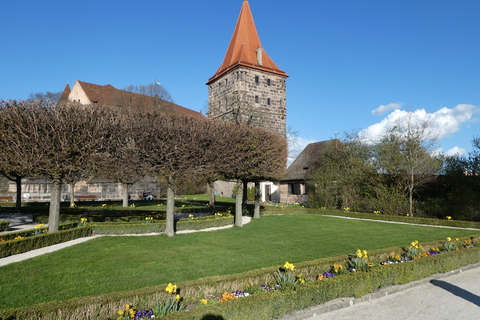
{"x": 110, "y": 264}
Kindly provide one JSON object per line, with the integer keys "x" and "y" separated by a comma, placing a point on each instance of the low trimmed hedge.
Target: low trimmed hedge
{"x": 30, "y": 242}
{"x": 107, "y": 216}
{"x": 385, "y": 217}
{"x": 265, "y": 305}
{"x": 31, "y": 232}
{"x": 159, "y": 227}
{"x": 4, "y": 225}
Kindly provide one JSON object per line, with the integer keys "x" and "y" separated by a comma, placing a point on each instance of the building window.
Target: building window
{"x": 268, "y": 82}
{"x": 268, "y": 101}
{"x": 294, "y": 188}
{"x": 256, "y": 99}
{"x": 256, "y": 80}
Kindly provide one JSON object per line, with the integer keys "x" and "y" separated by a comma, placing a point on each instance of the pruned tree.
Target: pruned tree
{"x": 13, "y": 164}
{"x": 406, "y": 154}
{"x": 59, "y": 139}
{"x": 121, "y": 160}
{"x": 260, "y": 155}
{"x": 174, "y": 146}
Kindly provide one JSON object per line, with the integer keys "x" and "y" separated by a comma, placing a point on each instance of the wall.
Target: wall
{"x": 232, "y": 98}
{"x": 40, "y": 190}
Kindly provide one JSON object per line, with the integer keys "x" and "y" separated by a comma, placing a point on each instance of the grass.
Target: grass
{"x": 111, "y": 264}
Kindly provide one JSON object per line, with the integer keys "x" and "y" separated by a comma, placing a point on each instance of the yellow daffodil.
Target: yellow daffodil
{"x": 449, "y": 239}
{"x": 171, "y": 288}
{"x": 204, "y": 301}
{"x": 289, "y": 266}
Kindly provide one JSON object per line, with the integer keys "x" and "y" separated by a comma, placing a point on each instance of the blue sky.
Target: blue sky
{"x": 353, "y": 65}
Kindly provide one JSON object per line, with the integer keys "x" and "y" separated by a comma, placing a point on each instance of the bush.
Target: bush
{"x": 159, "y": 227}
{"x": 4, "y": 225}
{"x": 28, "y": 243}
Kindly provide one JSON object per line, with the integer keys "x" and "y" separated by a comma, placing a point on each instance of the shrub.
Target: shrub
{"x": 4, "y": 225}
{"x": 25, "y": 244}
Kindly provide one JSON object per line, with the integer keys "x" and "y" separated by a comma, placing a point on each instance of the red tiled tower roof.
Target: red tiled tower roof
{"x": 244, "y": 48}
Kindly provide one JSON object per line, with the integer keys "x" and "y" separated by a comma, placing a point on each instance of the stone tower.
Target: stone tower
{"x": 248, "y": 87}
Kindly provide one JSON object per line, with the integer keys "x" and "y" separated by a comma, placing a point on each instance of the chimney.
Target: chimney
{"x": 259, "y": 55}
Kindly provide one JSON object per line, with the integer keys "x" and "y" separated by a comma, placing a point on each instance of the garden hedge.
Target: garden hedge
{"x": 410, "y": 220}
{"x": 31, "y": 242}
{"x": 4, "y": 225}
{"x": 30, "y": 232}
{"x": 159, "y": 227}
{"x": 269, "y": 305}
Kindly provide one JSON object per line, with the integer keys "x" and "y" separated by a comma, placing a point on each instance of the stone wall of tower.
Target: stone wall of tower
{"x": 251, "y": 96}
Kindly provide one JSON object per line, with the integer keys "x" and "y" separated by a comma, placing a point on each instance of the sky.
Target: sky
{"x": 353, "y": 66}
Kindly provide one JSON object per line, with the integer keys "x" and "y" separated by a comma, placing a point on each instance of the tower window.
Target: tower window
{"x": 256, "y": 80}
{"x": 268, "y": 82}
{"x": 256, "y": 99}
{"x": 268, "y": 101}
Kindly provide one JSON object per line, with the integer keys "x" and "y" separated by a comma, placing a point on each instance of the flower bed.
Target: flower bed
{"x": 269, "y": 293}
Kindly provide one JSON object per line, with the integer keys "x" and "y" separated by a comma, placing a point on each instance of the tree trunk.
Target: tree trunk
{"x": 238, "y": 204}
{"x": 169, "y": 226}
{"x": 256, "y": 212}
{"x": 245, "y": 195}
{"x": 211, "y": 192}
{"x": 54, "y": 212}
{"x": 125, "y": 195}
{"x": 410, "y": 189}
{"x": 72, "y": 194}
{"x": 18, "y": 204}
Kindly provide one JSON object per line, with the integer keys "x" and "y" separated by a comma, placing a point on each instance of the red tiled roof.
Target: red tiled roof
{"x": 108, "y": 95}
{"x": 65, "y": 93}
{"x": 243, "y": 47}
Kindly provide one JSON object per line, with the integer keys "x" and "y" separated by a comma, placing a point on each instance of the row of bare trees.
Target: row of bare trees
{"x": 65, "y": 142}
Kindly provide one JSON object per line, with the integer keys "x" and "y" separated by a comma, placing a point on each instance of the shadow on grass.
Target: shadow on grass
{"x": 459, "y": 292}
{"x": 212, "y": 317}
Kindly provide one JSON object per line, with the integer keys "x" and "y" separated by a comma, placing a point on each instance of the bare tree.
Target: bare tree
{"x": 121, "y": 160}
{"x": 47, "y": 96}
{"x": 406, "y": 154}
{"x": 59, "y": 139}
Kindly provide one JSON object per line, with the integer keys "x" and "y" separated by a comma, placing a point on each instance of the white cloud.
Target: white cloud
{"x": 296, "y": 147}
{"x": 382, "y": 109}
{"x": 456, "y": 151}
{"x": 441, "y": 123}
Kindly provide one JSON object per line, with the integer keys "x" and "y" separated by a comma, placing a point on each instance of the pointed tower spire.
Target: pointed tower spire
{"x": 245, "y": 48}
